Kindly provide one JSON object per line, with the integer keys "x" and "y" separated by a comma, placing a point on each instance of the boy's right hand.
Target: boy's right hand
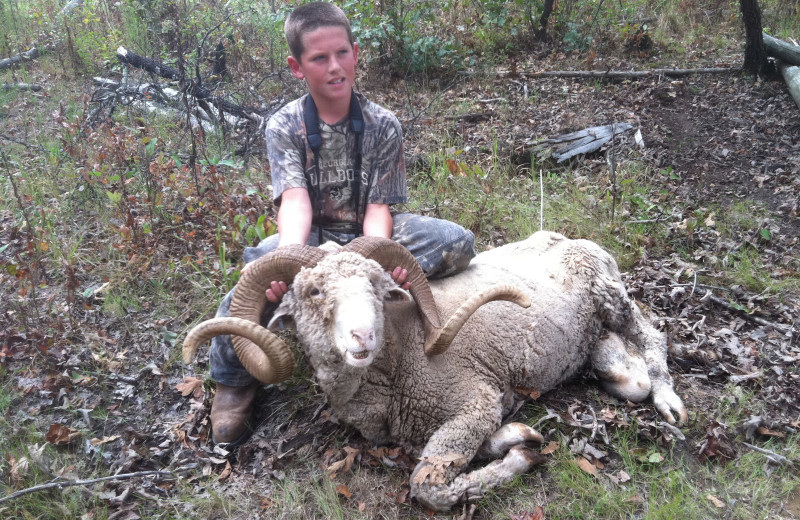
{"x": 276, "y": 291}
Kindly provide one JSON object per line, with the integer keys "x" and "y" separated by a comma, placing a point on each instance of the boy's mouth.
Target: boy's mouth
{"x": 337, "y": 81}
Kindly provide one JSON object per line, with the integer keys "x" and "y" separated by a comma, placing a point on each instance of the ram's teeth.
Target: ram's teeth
{"x": 360, "y": 355}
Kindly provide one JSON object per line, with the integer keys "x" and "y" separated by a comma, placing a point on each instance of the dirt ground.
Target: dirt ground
{"x": 724, "y": 137}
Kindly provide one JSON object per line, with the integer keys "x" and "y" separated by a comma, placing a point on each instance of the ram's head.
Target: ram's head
{"x": 265, "y": 356}
{"x": 340, "y": 304}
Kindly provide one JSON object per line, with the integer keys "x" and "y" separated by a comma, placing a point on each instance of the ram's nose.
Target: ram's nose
{"x": 364, "y": 337}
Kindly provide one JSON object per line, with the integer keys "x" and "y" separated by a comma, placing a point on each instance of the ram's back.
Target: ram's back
{"x": 543, "y": 345}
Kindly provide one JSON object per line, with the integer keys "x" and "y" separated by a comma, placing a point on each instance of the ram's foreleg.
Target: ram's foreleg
{"x": 438, "y": 483}
{"x": 473, "y": 485}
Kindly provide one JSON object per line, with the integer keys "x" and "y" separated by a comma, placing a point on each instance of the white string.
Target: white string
{"x": 541, "y": 201}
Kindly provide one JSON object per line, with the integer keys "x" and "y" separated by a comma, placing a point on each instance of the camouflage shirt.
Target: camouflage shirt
{"x": 383, "y": 171}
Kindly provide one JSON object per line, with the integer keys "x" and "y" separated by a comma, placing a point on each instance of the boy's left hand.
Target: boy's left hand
{"x": 399, "y": 276}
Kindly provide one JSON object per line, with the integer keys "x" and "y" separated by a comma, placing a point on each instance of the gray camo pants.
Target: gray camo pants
{"x": 441, "y": 247}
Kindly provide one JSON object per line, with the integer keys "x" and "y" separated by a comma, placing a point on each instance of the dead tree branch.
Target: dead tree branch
{"x": 67, "y": 483}
{"x": 197, "y": 91}
{"x": 623, "y": 74}
{"x": 21, "y": 86}
{"x": 16, "y": 60}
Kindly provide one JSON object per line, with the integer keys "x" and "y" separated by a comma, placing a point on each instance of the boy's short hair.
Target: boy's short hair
{"x": 310, "y": 17}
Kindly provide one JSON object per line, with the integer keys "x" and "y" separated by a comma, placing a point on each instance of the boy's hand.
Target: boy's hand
{"x": 399, "y": 276}
{"x": 276, "y": 291}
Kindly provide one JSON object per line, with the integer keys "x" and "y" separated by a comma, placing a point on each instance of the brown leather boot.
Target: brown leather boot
{"x": 230, "y": 412}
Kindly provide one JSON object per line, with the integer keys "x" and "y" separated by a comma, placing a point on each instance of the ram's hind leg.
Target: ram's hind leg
{"x": 622, "y": 373}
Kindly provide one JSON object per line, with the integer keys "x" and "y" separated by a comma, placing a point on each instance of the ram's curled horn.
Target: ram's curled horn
{"x": 250, "y": 298}
{"x": 389, "y": 254}
{"x": 496, "y": 293}
{"x": 276, "y": 362}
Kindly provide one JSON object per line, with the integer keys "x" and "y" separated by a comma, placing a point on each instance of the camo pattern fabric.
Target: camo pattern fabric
{"x": 441, "y": 248}
{"x": 382, "y": 179}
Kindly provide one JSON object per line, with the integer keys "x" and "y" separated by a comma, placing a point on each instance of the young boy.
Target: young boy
{"x": 337, "y": 165}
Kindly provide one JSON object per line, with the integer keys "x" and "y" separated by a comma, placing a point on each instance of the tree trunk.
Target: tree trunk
{"x": 780, "y": 49}
{"x": 541, "y": 34}
{"x": 755, "y": 54}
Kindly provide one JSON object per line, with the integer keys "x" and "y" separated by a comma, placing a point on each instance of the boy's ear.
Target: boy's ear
{"x": 297, "y": 69}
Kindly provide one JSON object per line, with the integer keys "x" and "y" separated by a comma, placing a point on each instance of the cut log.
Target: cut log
{"x": 791, "y": 75}
{"x": 21, "y": 86}
{"x": 586, "y": 140}
{"x": 782, "y": 50}
{"x": 16, "y": 60}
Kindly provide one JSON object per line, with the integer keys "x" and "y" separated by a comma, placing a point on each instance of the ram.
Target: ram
{"x": 396, "y": 372}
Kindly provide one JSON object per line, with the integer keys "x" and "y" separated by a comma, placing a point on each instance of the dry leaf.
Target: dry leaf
{"x": 19, "y": 468}
{"x": 191, "y": 386}
{"x": 402, "y": 496}
{"x": 362, "y": 506}
{"x": 225, "y": 472}
{"x": 60, "y": 435}
{"x": 716, "y": 501}
{"x": 344, "y": 491}
{"x": 346, "y": 463}
{"x": 586, "y": 466}
{"x": 769, "y": 433}
{"x": 551, "y": 447}
{"x": 437, "y": 467}
{"x": 528, "y": 392}
{"x": 104, "y": 440}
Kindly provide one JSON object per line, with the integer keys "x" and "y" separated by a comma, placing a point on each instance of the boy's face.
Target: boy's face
{"x": 328, "y": 64}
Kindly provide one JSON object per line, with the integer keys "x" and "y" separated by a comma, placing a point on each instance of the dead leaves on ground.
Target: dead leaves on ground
{"x": 536, "y": 514}
{"x": 436, "y": 468}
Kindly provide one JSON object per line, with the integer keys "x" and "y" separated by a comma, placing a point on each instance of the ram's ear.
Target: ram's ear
{"x": 397, "y": 295}
{"x": 281, "y": 320}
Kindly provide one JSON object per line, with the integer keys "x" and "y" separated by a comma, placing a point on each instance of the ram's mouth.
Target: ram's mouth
{"x": 359, "y": 358}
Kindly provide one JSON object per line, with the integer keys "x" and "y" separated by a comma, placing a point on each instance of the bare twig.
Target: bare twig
{"x": 68, "y": 483}
{"x": 771, "y": 455}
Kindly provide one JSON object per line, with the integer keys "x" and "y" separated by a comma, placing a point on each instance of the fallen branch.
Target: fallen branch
{"x": 196, "y": 90}
{"x": 69, "y": 483}
{"x": 621, "y": 74}
{"x": 16, "y": 60}
{"x": 21, "y": 86}
{"x": 771, "y": 455}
